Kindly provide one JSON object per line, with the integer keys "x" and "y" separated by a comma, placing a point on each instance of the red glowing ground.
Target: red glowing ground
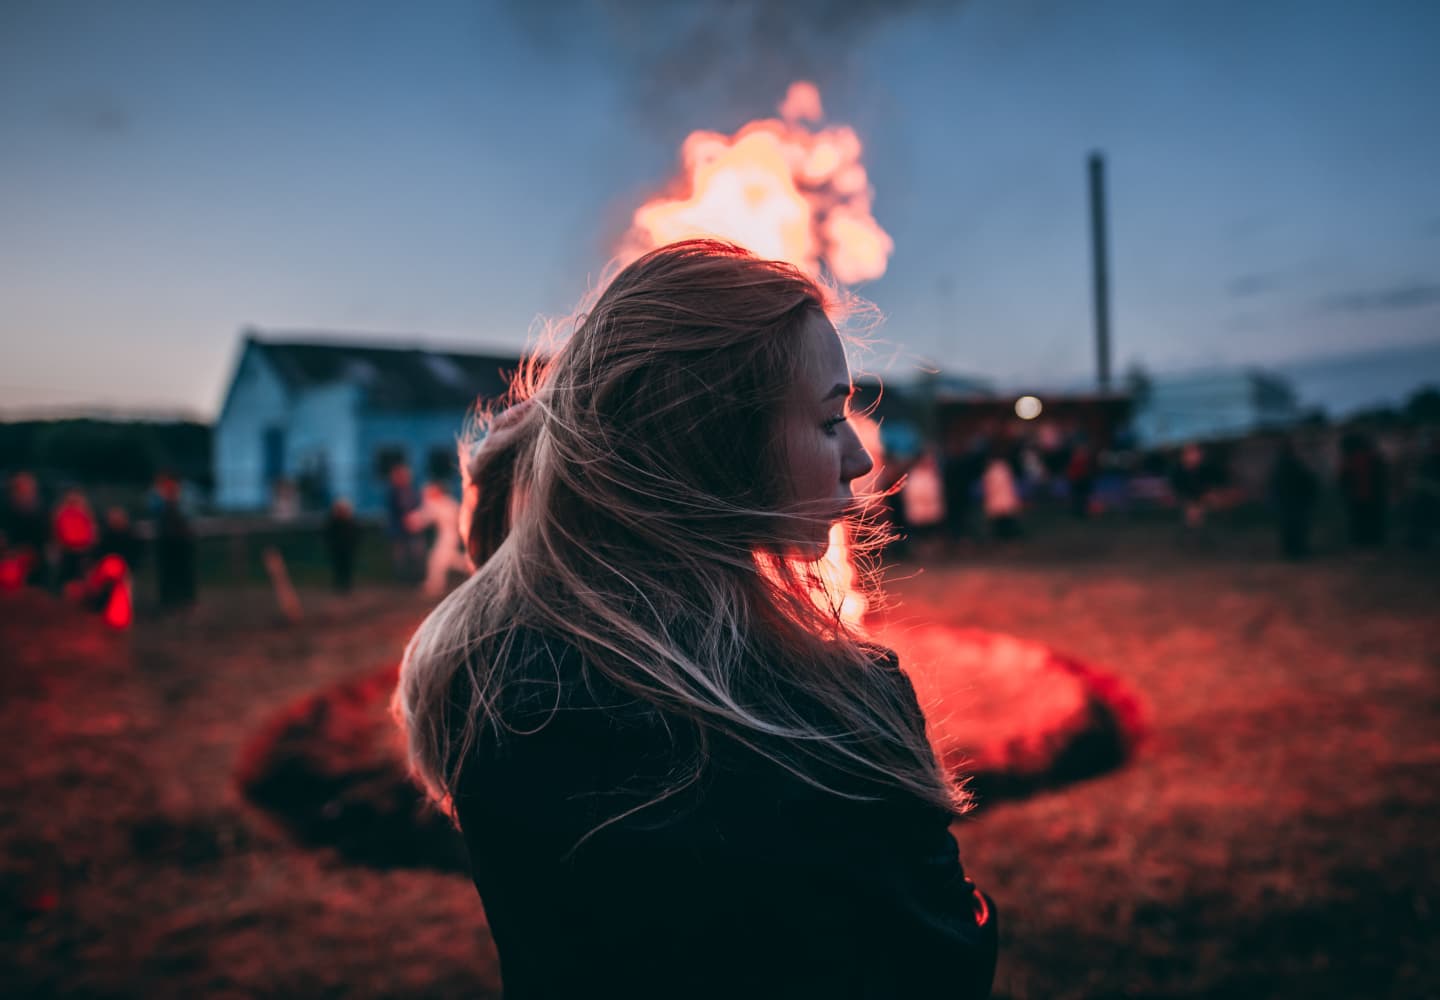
{"x": 1275, "y": 834}
{"x": 1010, "y": 715}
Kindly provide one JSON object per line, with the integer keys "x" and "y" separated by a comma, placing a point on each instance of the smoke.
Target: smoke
{"x": 737, "y": 54}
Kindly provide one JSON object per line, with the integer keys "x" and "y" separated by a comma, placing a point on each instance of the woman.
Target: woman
{"x": 678, "y": 773}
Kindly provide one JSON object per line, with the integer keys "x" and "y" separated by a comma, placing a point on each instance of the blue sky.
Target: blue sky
{"x": 171, "y": 172}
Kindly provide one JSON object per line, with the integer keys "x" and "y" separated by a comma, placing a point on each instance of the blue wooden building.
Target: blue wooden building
{"x": 330, "y": 416}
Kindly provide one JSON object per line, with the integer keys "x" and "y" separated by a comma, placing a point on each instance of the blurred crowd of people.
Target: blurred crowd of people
{"x": 66, "y": 547}
{"x": 421, "y": 529}
{"x": 984, "y": 487}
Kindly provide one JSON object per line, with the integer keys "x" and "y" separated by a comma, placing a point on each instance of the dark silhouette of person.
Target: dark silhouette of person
{"x": 1294, "y": 488}
{"x": 1080, "y": 476}
{"x": 406, "y": 546}
{"x": 118, "y": 538}
{"x": 1191, "y": 479}
{"x": 342, "y": 538}
{"x": 174, "y": 548}
{"x": 961, "y": 470}
{"x": 1363, "y": 484}
{"x": 24, "y": 531}
{"x": 1425, "y": 495}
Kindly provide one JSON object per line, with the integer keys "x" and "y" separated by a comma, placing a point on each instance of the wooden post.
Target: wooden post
{"x": 285, "y": 595}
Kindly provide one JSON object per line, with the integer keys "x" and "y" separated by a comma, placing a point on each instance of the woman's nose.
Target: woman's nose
{"x": 858, "y": 463}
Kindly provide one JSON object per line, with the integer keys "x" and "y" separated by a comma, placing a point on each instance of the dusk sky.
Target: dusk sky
{"x": 173, "y": 172}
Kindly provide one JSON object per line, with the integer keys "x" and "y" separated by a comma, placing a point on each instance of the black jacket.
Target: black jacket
{"x": 749, "y": 883}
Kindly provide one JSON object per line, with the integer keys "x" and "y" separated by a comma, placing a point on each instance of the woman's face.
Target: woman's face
{"x": 821, "y": 452}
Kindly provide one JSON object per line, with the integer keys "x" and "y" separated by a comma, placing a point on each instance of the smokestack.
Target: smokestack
{"x": 1101, "y": 268}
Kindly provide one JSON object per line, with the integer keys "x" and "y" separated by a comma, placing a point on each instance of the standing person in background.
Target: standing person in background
{"x": 175, "y": 569}
{"x": 1001, "y": 496}
{"x": 76, "y": 535}
{"x": 24, "y": 533}
{"x": 959, "y": 472}
{"x": 1425, "y": 493}
{"x": 1190, "y": 480}
{"x": 342, "y": 538}
{"x": 1293, "y": 487}
{"x": 440, "y": 511}
{"x": 117, "y": 538}
{"x": 405, "y": 545}
{"x": 1080, "y": 478}
{"x": 924, "y": 499}
{"x": 1364, "y": 486}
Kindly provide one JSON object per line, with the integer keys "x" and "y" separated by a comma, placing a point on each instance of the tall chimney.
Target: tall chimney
{"x": 1101, "y": 268}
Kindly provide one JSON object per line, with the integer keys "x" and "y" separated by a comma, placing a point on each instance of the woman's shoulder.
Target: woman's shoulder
{"x": 559, "y": 731}
{"x": 883, "y": 657}
{"x": 532, "y": 671}
{"x": 886, "y": 663}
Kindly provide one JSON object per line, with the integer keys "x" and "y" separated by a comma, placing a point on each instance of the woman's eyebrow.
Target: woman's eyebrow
{"x": 839, "y": 391}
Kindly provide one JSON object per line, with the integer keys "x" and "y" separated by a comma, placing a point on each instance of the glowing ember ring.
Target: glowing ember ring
{"x": 1013, "y": 714}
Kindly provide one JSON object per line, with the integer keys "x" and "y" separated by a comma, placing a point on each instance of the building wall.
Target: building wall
{"x": 414, "y": 436}
{"x": 324, "y": 433}
{"x": 257, "y": 403}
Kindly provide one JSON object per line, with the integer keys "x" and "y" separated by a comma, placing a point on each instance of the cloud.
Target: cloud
{"x": 1247, "y": 285}
{"x": 95, "y": 113}
{"x": 1405, "y": 295}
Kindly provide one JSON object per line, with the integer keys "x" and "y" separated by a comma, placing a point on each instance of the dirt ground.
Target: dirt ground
{"x": 1277, "y": 835}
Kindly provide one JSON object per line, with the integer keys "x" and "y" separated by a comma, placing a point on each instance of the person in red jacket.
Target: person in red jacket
{"x": 76, "y": 533}
{"x": 679, "y": 771}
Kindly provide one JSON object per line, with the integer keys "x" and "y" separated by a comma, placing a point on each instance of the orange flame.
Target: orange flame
{"x": 777, "y": 188}
{"x": 786, "y": 193}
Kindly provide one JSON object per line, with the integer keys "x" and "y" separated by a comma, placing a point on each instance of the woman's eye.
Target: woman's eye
{"x": 833, "y": 423}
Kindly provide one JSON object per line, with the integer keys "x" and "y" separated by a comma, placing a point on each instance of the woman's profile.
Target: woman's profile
{"x": 678, "y": 772}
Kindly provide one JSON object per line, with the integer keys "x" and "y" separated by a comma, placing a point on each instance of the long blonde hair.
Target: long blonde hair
{"x": 635, "y": 510}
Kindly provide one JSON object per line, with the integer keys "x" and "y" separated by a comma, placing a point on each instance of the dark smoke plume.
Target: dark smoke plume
{"x": 734, "y": 54}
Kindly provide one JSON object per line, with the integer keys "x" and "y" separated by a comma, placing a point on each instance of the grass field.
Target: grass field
{"x": 1277, "y": 835}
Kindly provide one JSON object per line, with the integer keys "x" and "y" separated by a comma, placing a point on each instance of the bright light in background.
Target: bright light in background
{"x": 1028, "y": 407}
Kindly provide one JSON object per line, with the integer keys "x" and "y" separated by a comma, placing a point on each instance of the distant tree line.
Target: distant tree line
{"x": 89, "y": 451}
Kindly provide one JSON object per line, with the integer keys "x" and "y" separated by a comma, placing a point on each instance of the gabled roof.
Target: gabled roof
{"x": 391, "y": 376}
